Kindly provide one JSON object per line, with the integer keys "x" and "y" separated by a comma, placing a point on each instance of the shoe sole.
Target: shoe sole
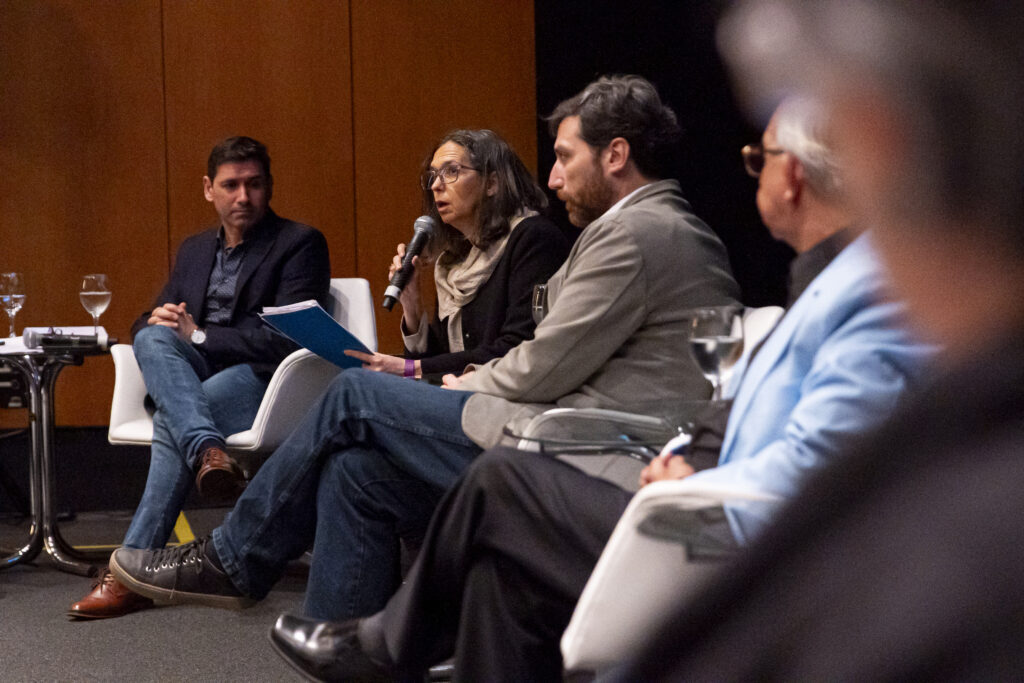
{"x": 292, "y": 663}
{"x": 168, "y": 596}
{"x": 220, "y": 485}
{"x": 75, "y": 615}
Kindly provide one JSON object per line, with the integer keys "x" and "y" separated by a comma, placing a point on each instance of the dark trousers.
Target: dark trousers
{"x": 502, "y": 565}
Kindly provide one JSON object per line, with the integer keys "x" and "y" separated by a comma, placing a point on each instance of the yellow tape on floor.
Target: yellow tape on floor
{"x": 182, "y": 529}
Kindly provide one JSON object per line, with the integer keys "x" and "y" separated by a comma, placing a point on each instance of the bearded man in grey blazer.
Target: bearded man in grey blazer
{"x": 371, "y": 460}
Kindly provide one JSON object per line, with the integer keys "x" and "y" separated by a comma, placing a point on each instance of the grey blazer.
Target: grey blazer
{"x": 616, "y": 332}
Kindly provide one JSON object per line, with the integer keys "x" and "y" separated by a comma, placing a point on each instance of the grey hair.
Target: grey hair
{"x": 800, "y": 130}
{"x": 953, "y": 72}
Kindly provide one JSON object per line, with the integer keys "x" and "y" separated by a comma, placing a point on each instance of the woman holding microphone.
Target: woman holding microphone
{"x": 490, "y": 247}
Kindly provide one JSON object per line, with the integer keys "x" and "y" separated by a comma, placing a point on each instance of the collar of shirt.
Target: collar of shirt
{"x": 618, "y": 205}
{"x": 226, "y": 250}
{"x": 806, "y": 266}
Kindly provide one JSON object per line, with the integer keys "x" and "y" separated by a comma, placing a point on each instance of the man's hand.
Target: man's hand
{"x": 452, "y": 381}
{"x": 665, "y": 467}
{"x": 379, "y": 362}
{"x": 176, "y": 317}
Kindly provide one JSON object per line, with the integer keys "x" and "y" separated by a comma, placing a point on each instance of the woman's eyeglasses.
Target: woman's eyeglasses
{"x": 754, "y": 157}
{"x": 449, "y": 173}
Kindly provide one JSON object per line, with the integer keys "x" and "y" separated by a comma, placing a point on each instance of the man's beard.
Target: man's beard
{"x": 590, "y": 201}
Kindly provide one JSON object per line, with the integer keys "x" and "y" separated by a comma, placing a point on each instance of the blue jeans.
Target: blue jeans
{"x": 366, "y": 465}
{"x": 193, "y": 404}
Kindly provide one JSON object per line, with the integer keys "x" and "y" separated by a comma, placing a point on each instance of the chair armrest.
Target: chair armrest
{"x": 598, "y": 424}
{"x": 595, "y": 424}
{"x": 297, "y": 383}
{"x": 130, "y": 422}
{"x": 640, "y": 578}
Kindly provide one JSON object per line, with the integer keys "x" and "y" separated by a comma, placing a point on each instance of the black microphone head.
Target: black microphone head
{"x": 425, "y": 224}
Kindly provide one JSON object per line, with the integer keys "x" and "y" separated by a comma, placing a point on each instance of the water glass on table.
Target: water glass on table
{"x": 12, "y": 295}
{"x": 95, "y": 296}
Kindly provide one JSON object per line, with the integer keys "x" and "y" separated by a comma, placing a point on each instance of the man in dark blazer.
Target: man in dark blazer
{"x": 205, "y": 354}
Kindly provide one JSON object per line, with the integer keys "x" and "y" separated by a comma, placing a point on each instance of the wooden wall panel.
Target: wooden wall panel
{"x": 419, "y": 70}
{"x": 82, "y": 176}
{"x": 276, "y": 71}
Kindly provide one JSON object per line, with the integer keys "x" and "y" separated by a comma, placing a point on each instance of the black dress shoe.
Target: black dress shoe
{"x": 324, "y": 650}
{"x": 187, "y": 574}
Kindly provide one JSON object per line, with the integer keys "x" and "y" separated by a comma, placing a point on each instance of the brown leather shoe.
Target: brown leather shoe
{"x": 107, "y": 599}
{"x": 219, "y": 475}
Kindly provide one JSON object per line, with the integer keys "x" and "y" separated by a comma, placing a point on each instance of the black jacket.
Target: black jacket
{"x": 499, "y": 317}
{"x": 285, "y": 262}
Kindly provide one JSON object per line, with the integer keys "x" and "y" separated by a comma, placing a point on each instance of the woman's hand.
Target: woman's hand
{"x": 379, "y": 362}
{"x": 412, "y": 304}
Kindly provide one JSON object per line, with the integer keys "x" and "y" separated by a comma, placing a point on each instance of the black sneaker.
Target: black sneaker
{"x": 185, "y": 575}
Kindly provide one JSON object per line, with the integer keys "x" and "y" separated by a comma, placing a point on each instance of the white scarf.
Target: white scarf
{"x": 459, "y": 284}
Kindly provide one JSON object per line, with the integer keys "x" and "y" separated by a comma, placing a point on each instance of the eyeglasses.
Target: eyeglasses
{"x": 754, "y": 158}
{"x": 449, "y": 173}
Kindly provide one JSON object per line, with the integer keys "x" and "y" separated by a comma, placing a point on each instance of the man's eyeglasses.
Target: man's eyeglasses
{"x": 754, "y": 157}
{"x": 449, "y": 173}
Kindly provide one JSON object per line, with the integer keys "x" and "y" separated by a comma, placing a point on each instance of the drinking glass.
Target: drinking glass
{"x": 716, "y": 341}
{"x": 539, "y": 303}
{"x": 95, "y": 296}
{"x": 12, "y": 295}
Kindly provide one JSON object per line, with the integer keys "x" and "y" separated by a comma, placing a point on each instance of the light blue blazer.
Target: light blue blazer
{"x": 832, "y": 369}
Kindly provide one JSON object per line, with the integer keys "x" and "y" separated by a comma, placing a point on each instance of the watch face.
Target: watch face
{"x": 198, "y": 336}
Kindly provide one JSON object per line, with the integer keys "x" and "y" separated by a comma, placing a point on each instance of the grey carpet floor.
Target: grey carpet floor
{"x": 39, "y": 643}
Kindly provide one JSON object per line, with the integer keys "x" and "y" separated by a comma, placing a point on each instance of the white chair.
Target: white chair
{"x": 757, "y": 323}
{"x": 641, "y": 577}
{"x": 298, "y": 381}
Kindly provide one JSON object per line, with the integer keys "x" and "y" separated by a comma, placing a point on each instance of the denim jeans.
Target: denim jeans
{"x": 367, "y": 464}
{"x": 193, "y": 403}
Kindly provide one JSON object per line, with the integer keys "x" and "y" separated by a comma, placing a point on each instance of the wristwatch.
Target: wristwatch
{"x": 198, "y": 336}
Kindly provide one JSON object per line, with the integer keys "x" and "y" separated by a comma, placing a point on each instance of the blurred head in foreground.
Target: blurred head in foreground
{"x": 926, "y": 108}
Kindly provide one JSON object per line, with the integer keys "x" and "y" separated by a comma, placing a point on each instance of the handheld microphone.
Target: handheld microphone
{"x": 423, "y": 228}
{"x": 35, "y": 339}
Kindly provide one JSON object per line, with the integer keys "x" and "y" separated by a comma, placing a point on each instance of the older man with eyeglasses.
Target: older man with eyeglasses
{"x": 902, "y": 561}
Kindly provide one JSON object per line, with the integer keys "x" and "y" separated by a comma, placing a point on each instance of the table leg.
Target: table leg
{"x": 31, "y": 550}
{"x": 59, "y": 550}
{"x": 41, "y": 375}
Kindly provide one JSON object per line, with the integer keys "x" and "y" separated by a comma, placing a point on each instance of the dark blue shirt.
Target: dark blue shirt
{"x": 220, "y": 290}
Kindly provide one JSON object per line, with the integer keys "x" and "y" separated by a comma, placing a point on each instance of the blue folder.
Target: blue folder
{"x": 310, "y": 326}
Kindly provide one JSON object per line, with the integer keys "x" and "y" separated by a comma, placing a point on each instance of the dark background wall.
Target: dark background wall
{"x": 671, "y": 43}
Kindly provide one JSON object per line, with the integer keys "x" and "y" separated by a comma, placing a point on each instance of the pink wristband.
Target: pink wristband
{"x": 410, "y": 368}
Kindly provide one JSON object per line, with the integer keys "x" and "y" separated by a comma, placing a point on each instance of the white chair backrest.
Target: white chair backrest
{"x": 351, "y": 304}
{"x": 757, "y": 323}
